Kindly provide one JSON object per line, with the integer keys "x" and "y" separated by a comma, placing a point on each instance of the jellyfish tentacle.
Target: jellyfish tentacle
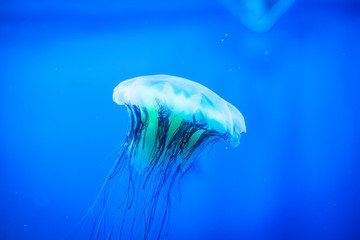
{"x": 170, "y": 157}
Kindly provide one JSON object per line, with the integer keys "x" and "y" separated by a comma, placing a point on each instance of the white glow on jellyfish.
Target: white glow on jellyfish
{"x": 173, "y": 121}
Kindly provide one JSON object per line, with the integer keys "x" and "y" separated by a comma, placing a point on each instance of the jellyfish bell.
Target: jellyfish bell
{"x": 168, "y": 103}
{"x": 187, "y": 99}
{"x": 173, "y": 121}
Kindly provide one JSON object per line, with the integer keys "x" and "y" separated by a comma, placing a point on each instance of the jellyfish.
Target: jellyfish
{"x": 173, "y": 122}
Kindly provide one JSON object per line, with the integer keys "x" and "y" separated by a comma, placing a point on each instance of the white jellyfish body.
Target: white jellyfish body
{"x": 189, "y": 99}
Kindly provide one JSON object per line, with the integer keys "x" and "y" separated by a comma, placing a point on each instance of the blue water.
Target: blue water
{"x": 296, "y": 172}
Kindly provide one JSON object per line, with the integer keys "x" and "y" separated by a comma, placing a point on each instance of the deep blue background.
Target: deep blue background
{"x": 296, "y": 172}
